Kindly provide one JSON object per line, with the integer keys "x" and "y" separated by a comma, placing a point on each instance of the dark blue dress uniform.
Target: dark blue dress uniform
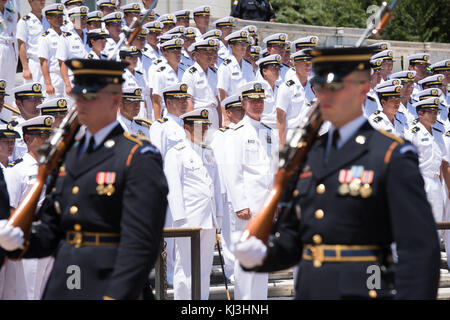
{"x": 346, "y": 210}
{"x": 105, "y": 214}
{"x": 257, "y": 10}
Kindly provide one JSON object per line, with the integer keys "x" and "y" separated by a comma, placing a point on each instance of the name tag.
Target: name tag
{"x": 235, "y": 74}
{"x": 425, "y": 139}
{"x": 251, "y": 141}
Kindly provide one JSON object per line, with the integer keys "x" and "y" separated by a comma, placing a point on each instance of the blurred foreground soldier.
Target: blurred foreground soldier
{"x": 359, "y": 191}
{"x": 257, "y": 10}
{"x": 129, "y": 109}
{"x": 195, "y": 200}
{"x": 56, "y": 107}
{"x": 250, "y": 165}
{"x": 106, "y": 211}
{"x": 26, "y": 279}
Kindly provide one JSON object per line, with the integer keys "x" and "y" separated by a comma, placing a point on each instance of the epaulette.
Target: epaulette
{"x": 161, "y": 69}
{"x": 290, "y": 83}
{"x": 447, "y": 134}
{"x": 10, "y": 10}
{"x": 371, "y": 98}
{"x": 65, "y": 22}
{"x": 392, "y": 136}
{"x": 13, "y": 163}
{"x": 138, "y": 72}
{"x": 226, "y": 62}
{"x": 213, "y": 69}
{"x": 292, "y": 68}
{"x": 377, "y": 119}
{"x": 439, "y": 122}
{"x": 415, "y": 121}
{"x": 205, "y": 146}
{"x": 162, "y": 120}
{"x": 223, "y": 129}
{"x": 143, "y": 122}
{"x": 437, "y": 129}
{"x": 66, "y": 34}
{"x": 157, "y": 61}
{"x": 237, "y": 127}
{"x": 180, "y": 146}
{"x": 45, "y": 33}
{"x": 27, "y": 17}
{"x": 104, "y": 55}
{"x": 192, "y": 69}
{"x": 90, "y": 56}
{"x": 145, "y": 49}
{"x": 265, "y": 125}
{"x": 377, "y": 112}
{"x": 415, "y": 129}
{"x": 139, "y": 139}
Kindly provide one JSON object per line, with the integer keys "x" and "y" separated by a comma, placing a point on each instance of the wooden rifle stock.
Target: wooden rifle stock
{"x": 53, "y": 153}
{"x": 260, "y": 225}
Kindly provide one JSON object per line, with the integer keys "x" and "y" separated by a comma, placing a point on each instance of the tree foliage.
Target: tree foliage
{"x": 413, "y": 20}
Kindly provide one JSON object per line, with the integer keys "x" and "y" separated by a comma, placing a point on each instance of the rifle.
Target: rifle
{"x": 51, "y": 155}
{"x": 294, "y": 153}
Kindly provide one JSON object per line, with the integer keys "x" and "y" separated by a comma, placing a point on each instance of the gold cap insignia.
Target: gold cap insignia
{"x": 178, "y": 42}
{"x": 257, "y": 50}
{"x": 181, "y": 29}
{"x": 183, "y": 88}
{"x": 48, "y": 121}
{"x": 99, "y": 14}
{"x": 244, "y": 34}
{"x": 257, "y": 87}
{"x": 383, "y": 47}
{"x": 425, "y": 58}
{"x": 169, "y": 17}
{"x": 397, "y": 89}
{"x": 436, "y": 101}
{"x": 410, "y": 75}
{"x": 60, "y": 8}
{"x": 135, "y": 6}
{"x": 395, "y": 82}
{"x": 282, "y": 37}
{"x": 189, "y": 30}
{"x": 137, "y": 92}
{"x": 378, "y": 63}
{"x": 447, "y": 64}
{"x": 36, "y": 87}
{"x": 217, "y": 33}
{"x": 118, "y": 15}
{"x": 251, "y": 29}
{"x": 157, "y": 25}
{"x": 10, "y": 127}
{"x": 440, "y": 78}
{"x": 62, "y": 103}
{"x": 83, "y": 10}
{"x": 204, "y": 113}
{"x": 360, "y": 66}
{"x": 390, "y": 53}
{"x": 2, "y": 84}
{"x": 207, "y": 9}
{"x": 434, "y": 92}
{"x": 278, "y": 58}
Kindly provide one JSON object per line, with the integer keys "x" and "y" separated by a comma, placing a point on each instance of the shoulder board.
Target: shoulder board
{"x": 136, "y": 138}
{"x": 161, "y": 69}
{"x": 437, "y": 129}
{"x": 143, "y": 122}
{"x": 398, "y": 120}
{"x": 162, "y": 120}
{"x": 226, "y": 62}
{"x": 371, "y": 98}
{"x": 138, "y": 72}
{"x": 192, "y": 69}
{"x": 290, "y": 83}
{"x": 180, "y": 146}
{"x": 238, "y": 127}
{"x": 223, "y": 129}
{"x": 45, "y": 33}
{"x": 292, "y": 68}
{"x": 11, "y": 108}
{"x": 157, "y": 61}
{"x": 204, "y": 146}
{"x": 439, "y": 122}
{"x": 377, "y": 119}
{"x": 13, "y": 163}
{"x": 104, "y": 55}
{"x": 65, "y": 22}
{"x": 145, "y": 49}
{"x": 90, "y": 56}
{"x": 415, "y": 121}
{"x": 415, "y": 129}
{"x": 447, "y": 134}
{"x": 213, "y": 69}
{"x": 392, "y": 136}
{"x": 9, "y": 10}
{"x": 377, "y": 112}
{"x": 27, "y": 17}
{"x": 265, "y": 125}
{"x": 66, "y": 34}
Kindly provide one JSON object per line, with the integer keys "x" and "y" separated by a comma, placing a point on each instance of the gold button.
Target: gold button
{"x": 317, "y": 264}
{"x": 77, "y": 227}
{"x": 372, "y": 294}
{"x": 320, "y": 189}
{"x": 317, "y": 239}
{"x": 53, "y": 189}
{"x": 295, "y": 193}
{"x": 75, "y": 190}
{"x": 319, "y": 214}
{"x": 73, "y": 210}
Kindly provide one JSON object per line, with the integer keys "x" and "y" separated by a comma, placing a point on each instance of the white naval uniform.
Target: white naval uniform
{"x": 269, "y": 114}
{"x": 230, "y": 76}
{"x": 133, "y": 126}
{"x": 8, "y": 51}
{"x": 110, "y": 45}
{"x": 29, "y": 29}
{"x": 224, "y": 53}
{"x": 371, "y": 104}
{"x": 195, "y": 200}
{"x": 432, "y": 151}
{"x": 446, "y": 233}
{"x": 379, "y": 120}
{"x": 94, "y": 56}
{"x": 151, "y": 53}
{"x": 251, "y": 162}
{"x": 165, "y": 76}
{"x": 20, "y": 147}
{"x": 203, "y": 88}
{"x": 136, "y": 79}
{"x": 48, "y": 44}
{"x": 25, "y": 279}
{"x": 164, "y": 134}
{"x": 186, "y": 60}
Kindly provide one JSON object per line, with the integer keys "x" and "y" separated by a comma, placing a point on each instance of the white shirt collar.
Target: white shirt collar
{"x": 346, "y": 131}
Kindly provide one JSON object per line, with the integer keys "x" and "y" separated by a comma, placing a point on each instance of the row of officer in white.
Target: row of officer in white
{"x": 436, "y": 81}
{"x": 26, "y": 278}
{"x": 295, "y": 96}
{"x": 406, "y": 78}
{"x": 442, "y": 122}
{"x": 251, "y": 162}
{"x": 386, "y": 119}
{"x": 164, "y": 134}
{"x": 235, "y": 113}
{"x": 304, "y": 43}
{"x": 29, "y": 29}
{"x": 8, "y": 46}
{"x": 433, "y": 155}
{"x": 372, "y": 103}
{"x": 418, "y": 62}
{"x": 195, "y": 200}
{"x": 96, "y": 41}
{"x": 276, "y": 44}
{"x": 201, "y": 80}
{"x": 443, "y": 67}
{"x": 129, "y": 108}
{"x": 8, "y": 136}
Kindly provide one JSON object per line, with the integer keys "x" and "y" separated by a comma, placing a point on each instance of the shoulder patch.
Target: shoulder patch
{"x": 377, "y": 112}
{"x": 447, "y": 134}
{"x": 415, "y": 129}
{"x": 226, "y": 62}
{"x": 27, "y": 17}
{"x": 45, "y": 33}
{"x": 223, "y": 129}
{"x": 143, "y": 122}
{"x": 66, "y": 34}
{"x": 392, "y": 136}
{"x": 192, "y": 69}
{"x": 162, "y": 120}
{"x": 13, "y": 163}
{"x": 265, "y": 125}
{"x": 136, "y": 138}
{"x": 157, "y": 61}
{"x": 148, "y": 149}
{"x": 377, "y": 119}
{"x": 415, "y": 121}
{"x": 213, "y": 69}
{"x": 90, "y": 56}
{"x": 180, "y": 146}
{"x": 371, "y": 98}
{"x": 290, "y": 83}
{"x": 161, "y": 69}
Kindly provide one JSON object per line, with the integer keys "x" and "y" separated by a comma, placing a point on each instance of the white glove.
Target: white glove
{"x": 250, "y": 252}
{"x": 11, "y": 238}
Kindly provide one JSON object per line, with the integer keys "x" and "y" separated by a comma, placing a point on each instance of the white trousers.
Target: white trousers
{"x": 58, "y": 85}
{"x": 182, "y": 272}
{"x": 35, "y": 69}
{"x": 433, "y": 189}
{"x": 8, "y": 63}
{"x": 228, "y": 222}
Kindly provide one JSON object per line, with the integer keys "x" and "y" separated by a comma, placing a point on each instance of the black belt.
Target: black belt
{"x": 340, "y": 253}
{"x": 79, "y": 239}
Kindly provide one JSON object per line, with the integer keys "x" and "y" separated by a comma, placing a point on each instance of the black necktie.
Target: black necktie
{"x": 334, "y": 141}
{"x": 91, "y": 144}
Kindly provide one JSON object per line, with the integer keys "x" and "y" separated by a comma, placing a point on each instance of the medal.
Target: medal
{"x": 344, "y": 189}
{"x": 366, "y": 179}
{"x": 344, "y": 178}
{"x": 354, "y": 187}
{"x": 100, "y": 189}
{"x": 365, "y": 190}
{"x": 110, "y": 179}
{"x": 109, "y": 190}
{"x": 100, "y": 179}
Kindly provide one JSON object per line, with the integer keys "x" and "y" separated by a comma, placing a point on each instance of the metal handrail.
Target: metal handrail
{"x": 160, "y": 282}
